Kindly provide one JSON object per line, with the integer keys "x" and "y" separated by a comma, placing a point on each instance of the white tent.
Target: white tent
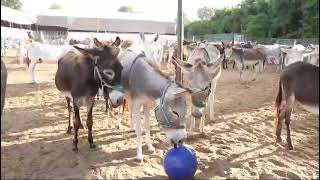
{"x": 18, "y": 17}
{"x": 99, "y": 21}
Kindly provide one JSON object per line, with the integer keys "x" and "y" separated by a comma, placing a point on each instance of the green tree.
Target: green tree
{"x": 263, "y": 18}
{"x": 55, "y": 6}
{"x": 205, "y": 13}
{"x": 125, "y": 9}
{"x": 258, "y": 26}
{"x": 15, "y": 4}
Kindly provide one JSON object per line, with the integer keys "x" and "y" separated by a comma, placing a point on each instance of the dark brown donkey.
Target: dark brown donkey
{"x": 79, "y": 76}
{"x": 4, "y": 75}
{"x": 298, "y": 82}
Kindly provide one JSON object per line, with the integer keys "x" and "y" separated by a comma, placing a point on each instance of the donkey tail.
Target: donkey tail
{"x": 278, "y": 103}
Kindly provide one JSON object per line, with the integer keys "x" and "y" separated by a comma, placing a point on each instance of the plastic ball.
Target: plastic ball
{"x": 180, "y": 163}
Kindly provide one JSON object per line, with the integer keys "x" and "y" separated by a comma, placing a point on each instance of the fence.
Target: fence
{"x": 242, "y": 38}
{"x": 216, "y": 37}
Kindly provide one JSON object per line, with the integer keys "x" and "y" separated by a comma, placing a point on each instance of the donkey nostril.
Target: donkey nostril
{"x": 120, "y": 100}
{"x": 174, "y": 112}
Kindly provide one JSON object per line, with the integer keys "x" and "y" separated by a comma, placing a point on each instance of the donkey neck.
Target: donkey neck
{"x": 143, "y": 79}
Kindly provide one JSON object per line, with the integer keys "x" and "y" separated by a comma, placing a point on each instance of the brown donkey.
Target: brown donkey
{"x": 298, "y": 82}
{"x": 81, "y": 74}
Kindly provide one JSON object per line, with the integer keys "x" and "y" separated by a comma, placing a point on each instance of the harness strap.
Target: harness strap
{"x": 161, "y": 103}
{"x": 130, "y": 70}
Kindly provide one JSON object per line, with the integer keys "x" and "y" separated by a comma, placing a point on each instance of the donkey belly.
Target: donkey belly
{"x": 251, "y": 62}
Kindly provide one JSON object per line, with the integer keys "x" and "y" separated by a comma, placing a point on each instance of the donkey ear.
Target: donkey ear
{"x": 186, "y": 67}
{"x": 126, "y": 44}
{"x": 142, "y": 36}
{"x": 156, "y": 38}
{"x": 213, "y": 52}
{"x": 117, "y": 42}
{"x": 97, "y": 43}
{"x": 87, "y": 52}
{"x": 178, "y": 92}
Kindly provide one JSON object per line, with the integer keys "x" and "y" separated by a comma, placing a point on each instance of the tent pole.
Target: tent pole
{"x": 179, "y": 41}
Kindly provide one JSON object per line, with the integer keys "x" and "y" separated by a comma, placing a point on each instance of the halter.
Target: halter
{"x": 103, "y": 82}
{"x": 160, "y": 106}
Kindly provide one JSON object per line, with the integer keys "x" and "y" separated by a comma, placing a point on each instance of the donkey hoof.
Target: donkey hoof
{"x": 75, "y": 149}
{"x": 203, "y": 134}
{"x": 152, "y": 150}
{"x": 92, "y": 146}
{"x": 290, "y": 147}
{"x": 278, "y": 140}
{"x": 138, "y": 159}
{"x": 69, "y": 130}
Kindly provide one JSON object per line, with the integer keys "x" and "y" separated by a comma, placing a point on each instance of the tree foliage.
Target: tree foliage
{"x": 205, "y": 13}
{"x": 56, "y": 6}
{"x": 14, "y": 4}
{"x": 263, "y": 18}
{"x": 125, "y": 9}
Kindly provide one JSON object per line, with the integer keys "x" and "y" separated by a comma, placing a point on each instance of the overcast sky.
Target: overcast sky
{"x": 164, "y": 8}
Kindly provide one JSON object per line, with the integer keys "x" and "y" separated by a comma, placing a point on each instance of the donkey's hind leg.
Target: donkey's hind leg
{"x": 70, "y": 112}
{"x": 146, "y": 110}
{"x": 289, "y": 108}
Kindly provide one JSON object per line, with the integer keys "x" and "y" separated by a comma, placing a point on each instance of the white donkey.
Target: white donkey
{"x": 152, "y": 49}
{"x": 202, "y": 72}
{"x": 39, "y": 52}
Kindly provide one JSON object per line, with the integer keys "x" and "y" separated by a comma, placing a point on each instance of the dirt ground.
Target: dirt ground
{"x": 240, "y": 140}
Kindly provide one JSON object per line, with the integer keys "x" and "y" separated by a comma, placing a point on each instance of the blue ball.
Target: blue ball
{"x": 180, "y": 163}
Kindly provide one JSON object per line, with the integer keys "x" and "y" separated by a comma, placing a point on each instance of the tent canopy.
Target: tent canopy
{"x": 110, "y": 22}
{"x": 18, "y": 17}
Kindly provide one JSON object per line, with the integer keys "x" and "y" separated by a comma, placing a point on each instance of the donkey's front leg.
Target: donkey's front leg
{"x": 146, "y": 110}
{"x": 89, "y": 122}
{"x": 32, "y": 68}
{"x": 76, "y": 125}
{"x": 136, "y": 104}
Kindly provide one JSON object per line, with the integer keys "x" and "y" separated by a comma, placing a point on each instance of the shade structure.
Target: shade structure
{"x": 17, "y": 17}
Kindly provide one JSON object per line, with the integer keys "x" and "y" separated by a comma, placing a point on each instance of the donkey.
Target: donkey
{"x": 298, "y": 82}
{"x": 4, "y": 74}
{"x": 202, "y": 72}
{"x": 244, "y": 57}
{"x": 151, "y": 49}
{"x": 81, "y": 74}
{"x": 146, "y": 85}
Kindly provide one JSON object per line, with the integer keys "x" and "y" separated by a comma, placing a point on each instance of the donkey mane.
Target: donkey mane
{"x": 156, "y": 68}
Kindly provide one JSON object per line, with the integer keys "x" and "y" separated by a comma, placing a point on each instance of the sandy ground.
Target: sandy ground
{"x": 240, "y": 140}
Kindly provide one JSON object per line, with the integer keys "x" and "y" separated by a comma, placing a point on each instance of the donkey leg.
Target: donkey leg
{"x": 146, "y": 109}
{"x": 89, "y": 122}
{"x": 287, "y": 121}
{"x": 136, "y": 117}
{"x": 76, "y": 123}
{"x": 132, "y": 122}
{"x": 279, "y": 121}
{"x": 70, "y": 109}
{"x": 32, "y": 68}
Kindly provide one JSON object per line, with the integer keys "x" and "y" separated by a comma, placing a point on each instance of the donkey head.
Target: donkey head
{"x": 150, "y": 47}
{"x": 227, "y": 49}
{"x": 107, "y": 67}
{"x": 202, "y": 67}
{"x": 171, "y": 112}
